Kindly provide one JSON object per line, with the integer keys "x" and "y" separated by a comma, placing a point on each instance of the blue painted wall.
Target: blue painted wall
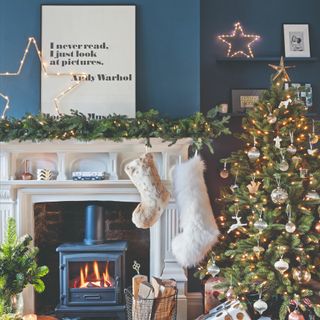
{"x": 258, "y": 17}
{"x": 168, "y": 62}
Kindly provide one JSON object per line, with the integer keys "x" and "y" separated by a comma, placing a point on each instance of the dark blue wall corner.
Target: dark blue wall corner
{"x": 168, "y": 54}
{"x": 257, "y": 17}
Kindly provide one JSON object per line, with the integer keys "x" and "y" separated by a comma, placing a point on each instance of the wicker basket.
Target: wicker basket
{"x": 151, "y": 309}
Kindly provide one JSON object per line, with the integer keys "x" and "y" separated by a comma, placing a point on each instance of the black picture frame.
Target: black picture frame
{"x": 243, "y": 99}
{"x": 297, "y": 49}
{"x": 303, "y": 92}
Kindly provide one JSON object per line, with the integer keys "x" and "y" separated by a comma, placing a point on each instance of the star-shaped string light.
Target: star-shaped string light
{"x": 281, "y": 71}
{"x": 32, "y": 41}
{"x": 238, "y": 35}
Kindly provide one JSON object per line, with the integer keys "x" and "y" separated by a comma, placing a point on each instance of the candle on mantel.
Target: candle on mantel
{"x": 30, "y": 317}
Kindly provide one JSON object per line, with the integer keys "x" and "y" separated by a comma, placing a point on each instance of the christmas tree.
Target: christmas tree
{"x": 268, "y": 254}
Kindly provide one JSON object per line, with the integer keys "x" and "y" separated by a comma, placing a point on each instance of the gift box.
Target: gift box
{"x": 231, "y": 310}
{"x": 211, "y": 293}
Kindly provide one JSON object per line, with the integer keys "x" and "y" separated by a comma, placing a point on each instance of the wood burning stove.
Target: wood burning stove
{"x": 92, "y": 274}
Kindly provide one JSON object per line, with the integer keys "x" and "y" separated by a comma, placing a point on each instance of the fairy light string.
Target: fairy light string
{"x": 237, "y": 34}
{"x": 32, "y": 42}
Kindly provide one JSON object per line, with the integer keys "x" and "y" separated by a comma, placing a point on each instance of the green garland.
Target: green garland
{"x": 201, "y": 128}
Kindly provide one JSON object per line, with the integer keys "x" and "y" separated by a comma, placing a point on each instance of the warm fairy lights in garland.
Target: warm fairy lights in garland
{"x": 239, "y": 34}
{"x": 57, "y": 99}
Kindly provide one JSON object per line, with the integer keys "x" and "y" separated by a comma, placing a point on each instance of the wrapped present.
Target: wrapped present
{"x": 229, "y": 310}
{"x": 211, "y": 293}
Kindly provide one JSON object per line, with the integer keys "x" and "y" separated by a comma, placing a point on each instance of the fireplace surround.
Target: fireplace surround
{"x": 17, "y": 197}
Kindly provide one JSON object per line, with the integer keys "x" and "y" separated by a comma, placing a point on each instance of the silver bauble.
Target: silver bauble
{"x": 313, "y": 195}
{"x": 281, "y": 265}
{"x": 212, "y": 268}
{"x": 254, "y": 153}
{"x": 260, "y": 306}
{"x": 279, "y": 195}
{"x": 291, "y": 149}
{"x": 283, "y": 165}
{"x": 271, "y": 118}
{"x": 290, "y": 227}
{"x": 260, "y": 224}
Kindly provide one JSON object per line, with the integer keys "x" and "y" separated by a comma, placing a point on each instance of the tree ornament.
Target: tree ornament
{"x": 260, "y": 305}
{"x": 312, "y": 195}
{"x": 279, "y": 195}
{"x": 230, "y": 294}
{"x": 238, "y": 224}
{"x": 212, "y": 268}
{"x": 301, "y": 275}
{"x": 258, "y": 250}
{"x": 281, "y": 74}
{"x": 311, "y": 151}
{"x": 303, "y": 173}
{"x": 296, "y": 160}
{"x": 284, "y": 103}
{"x": 224, "y": 173}
{"x": 317, "y": 227}
{"x": 271, "y": 118}
{"x": 234, "y": 187}
{"x": 277, "y": 142}
{"x": 283, "y": 165}
{"x": 290, "y": 226}
{"x": 281, "y": 265}
{"x": 291, "y": 148}
{"x": 253, "y": 187}
{"x": 232, "y": 40}
{"x": 314, "y": 138}
{"x": 260, "y": 224}
{"x": 254, "y": 153}
{"x": 295, "y": 315}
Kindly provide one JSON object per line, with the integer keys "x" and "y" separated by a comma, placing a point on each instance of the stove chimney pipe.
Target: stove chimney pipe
{"x": 94, "y": 225}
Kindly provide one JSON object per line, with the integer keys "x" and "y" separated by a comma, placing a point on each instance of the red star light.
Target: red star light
{"x": 239, "y": 43}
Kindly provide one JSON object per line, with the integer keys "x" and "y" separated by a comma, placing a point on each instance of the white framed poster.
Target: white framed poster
{"x": 98, "y": 41}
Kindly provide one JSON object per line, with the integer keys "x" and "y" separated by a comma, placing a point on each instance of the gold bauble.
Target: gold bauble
{"x": 301, "y": 275}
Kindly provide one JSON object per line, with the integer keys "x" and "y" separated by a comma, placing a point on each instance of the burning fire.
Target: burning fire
{"x": 90, "y": 277}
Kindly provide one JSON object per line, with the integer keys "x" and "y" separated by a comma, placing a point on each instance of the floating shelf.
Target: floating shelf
{"x": 266, "y": 59}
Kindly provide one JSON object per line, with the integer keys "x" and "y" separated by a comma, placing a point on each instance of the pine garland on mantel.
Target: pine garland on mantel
{"x": 201, "y": 128}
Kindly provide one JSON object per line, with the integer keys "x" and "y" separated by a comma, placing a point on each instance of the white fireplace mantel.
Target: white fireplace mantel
{"x": 17, "y": 197}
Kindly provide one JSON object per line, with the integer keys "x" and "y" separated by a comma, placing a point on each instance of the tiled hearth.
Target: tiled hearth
{"x": 18, "y": 197}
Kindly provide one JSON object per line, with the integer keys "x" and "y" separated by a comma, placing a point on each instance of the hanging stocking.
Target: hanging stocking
{"x": 154, "y": 196}
{"x": 200, "y": 231}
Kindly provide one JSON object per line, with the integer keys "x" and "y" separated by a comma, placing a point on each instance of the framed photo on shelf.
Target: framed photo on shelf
{"x": 89, "y": 52}
{"x": 303, "y": 92}
{"x": 243, "y": 99}
{"x": 296, "y": 40}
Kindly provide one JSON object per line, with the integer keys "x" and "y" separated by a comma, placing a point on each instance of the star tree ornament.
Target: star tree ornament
{"x": 281, "y": 69}
{"x": 254, "y": 152}
{"x": 239, "y": 43}
{"x": 291, "y": 148}
{"x": 279, "y": 195}
{"x": 290, "y": 226}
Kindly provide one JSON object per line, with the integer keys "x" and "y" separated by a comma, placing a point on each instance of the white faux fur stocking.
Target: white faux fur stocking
{"x": 200, "y": 231}
{"x": 154, "y": 195}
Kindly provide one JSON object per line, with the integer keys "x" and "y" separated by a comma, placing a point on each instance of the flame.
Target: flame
{"x": 93, "y": 279}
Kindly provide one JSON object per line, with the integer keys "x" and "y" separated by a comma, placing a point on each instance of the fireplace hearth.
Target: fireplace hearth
{"x": 92, "y": 279}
